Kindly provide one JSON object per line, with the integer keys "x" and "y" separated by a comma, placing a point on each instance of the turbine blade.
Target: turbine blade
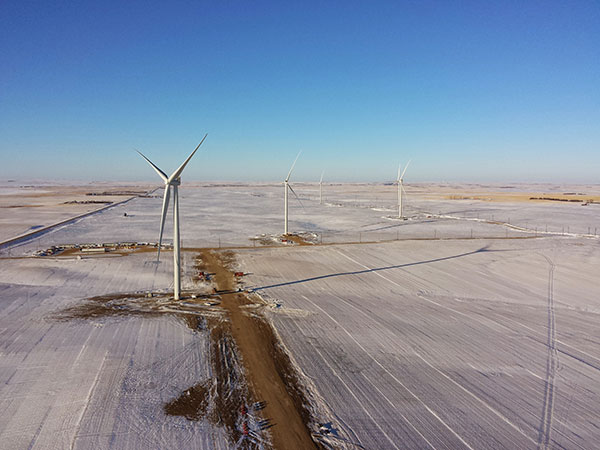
{"x": 289, "y": 174}
{"x": 399, "y": 167}
{"x": 405, "y": 169}
{"x": 158, "y": 171}
{"x": 177, "y": 173}
{"x": 321, "y": 180}
{"x": 165, "y": 207}
{"x": 297, "y": 198}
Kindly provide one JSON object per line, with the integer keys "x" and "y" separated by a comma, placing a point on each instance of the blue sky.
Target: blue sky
{"x": 471, "y": 91}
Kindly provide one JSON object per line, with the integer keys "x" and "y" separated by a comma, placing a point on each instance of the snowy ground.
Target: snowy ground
{"x": 450, "y": 343}
{"x": 94, "y": 383}
{"x": 231, "y": 215}
{"x": 444, "y": 344}
{"x": 27, "y": 207}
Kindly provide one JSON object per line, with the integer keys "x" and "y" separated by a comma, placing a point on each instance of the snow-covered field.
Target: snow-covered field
{"x": 411, "y": 342}
{"x": 231, "y": 215}
{"x": 26, "y": 207}
{"x": 96, "y": 383}
{"x": 444, "y": 344}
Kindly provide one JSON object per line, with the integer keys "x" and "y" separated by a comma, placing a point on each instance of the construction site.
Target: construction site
{"x": 469, "y": 323}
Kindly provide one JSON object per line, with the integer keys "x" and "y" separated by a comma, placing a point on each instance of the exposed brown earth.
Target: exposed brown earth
{"x": 111, "y": 305}
{"x": 219, "y": 399}
{"x": 267, "y": 368}
{"x": 297, "y": 239}
{"x": 519, "y": 197}
{"x": 192, "y": 403}
{"x": 249, "y": 364}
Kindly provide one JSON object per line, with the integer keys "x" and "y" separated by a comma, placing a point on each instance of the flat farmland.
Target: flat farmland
{"x": 214, "y": 215}
{"x": 91, "y": 380}
{"x": 28, "y": 207}
{"x": 443, "y": 344}
{"x": 471, "y": 324}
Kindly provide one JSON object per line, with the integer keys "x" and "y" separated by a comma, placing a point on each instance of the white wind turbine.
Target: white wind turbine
{"x": 172, "y": 182}
{"x": 287, "y": 186}
{"x": 400, "y": 182}
{"x": 321, "y": 188}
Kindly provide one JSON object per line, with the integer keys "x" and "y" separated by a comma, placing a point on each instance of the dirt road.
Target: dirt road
{"x": 267, "y": 367}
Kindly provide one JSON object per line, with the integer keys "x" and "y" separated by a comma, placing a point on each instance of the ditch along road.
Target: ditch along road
{"x": 268, "y": 370}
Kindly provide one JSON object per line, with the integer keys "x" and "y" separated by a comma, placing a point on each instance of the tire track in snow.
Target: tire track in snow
{"x": 333, "y": 371}
{"x": 38, "y": 430}
{"x": 551, "y": 365}
{"x": 401, "y": 415}
{"x": 483, "y": 402}
{"x": 536, "y": 332}
{"x": 415, "y": 396}
{"x": 552, "y": 361}
{"x": 87, "y": 401}
{"x": 350, "y": 391}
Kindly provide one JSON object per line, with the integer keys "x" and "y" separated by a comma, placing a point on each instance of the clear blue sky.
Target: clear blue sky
{"x": 471, "y": 91}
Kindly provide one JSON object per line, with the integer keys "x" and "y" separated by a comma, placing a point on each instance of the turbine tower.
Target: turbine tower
{"x": 287, "y": 186}
{"x": 321, "y": 188}
{"x": 400, "y": 182}
{"x": 172, "y": 182}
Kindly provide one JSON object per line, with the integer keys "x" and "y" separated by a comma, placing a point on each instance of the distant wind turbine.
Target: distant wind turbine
{"x": 172, "y": 182}
{"x": 321, "y": 188}
{"x": 400, "y": 182}
{"x": 287, "y": 186}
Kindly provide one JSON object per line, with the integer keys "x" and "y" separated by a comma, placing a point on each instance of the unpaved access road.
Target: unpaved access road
{"x": 266, "y": 366}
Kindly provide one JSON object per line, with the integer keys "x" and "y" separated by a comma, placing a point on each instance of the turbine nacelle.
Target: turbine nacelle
{"x": 400, "y": 178}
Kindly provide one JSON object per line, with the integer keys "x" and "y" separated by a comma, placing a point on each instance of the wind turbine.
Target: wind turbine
{"x": 321, "y": 188}
{"x": 400, "y": 182}
{"x": 172, "y": 182}
{"x": 287, "y": 186}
